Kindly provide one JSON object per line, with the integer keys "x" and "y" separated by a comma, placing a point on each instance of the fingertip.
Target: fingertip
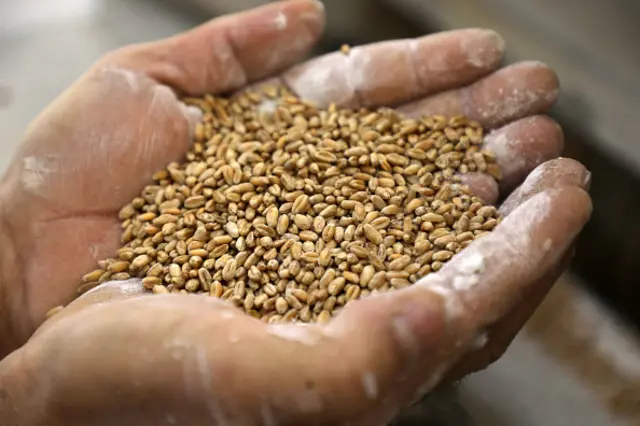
{"x": 548, "y": 133}
{"x": 523, "y": 145}
{"x": 483, "y": 47}
{"x": 310, "y": 14}
{"x": 581, "y": 205}
{"x": 556, "y": 130}
{"x": 482, "y": 185}
{"x": 571, "y": 208}
{"x": 314, "y": 12}
{"x": 514, "y": 92}
{"x": 540, "y": 75}
{"x": 319, "y": 4}
{"x": 557, "y": 215}
{"x": 567, "y": 172}
{"x": 543, "y": 79}
{"x": 553, "y": 174}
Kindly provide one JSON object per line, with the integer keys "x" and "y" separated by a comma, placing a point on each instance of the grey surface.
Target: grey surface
{"x": 527, "y": 388}
{"x": 39, "y": 58}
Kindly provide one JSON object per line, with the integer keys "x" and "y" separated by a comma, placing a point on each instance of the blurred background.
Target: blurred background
{"x": 578, "y": 360}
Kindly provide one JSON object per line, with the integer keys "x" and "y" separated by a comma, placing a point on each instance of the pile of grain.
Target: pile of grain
{"x": 291, "y": 212}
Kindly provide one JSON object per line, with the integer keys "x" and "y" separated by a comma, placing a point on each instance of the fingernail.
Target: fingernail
{"x": 587, "y": 181}
{"x": 319, "y": 4}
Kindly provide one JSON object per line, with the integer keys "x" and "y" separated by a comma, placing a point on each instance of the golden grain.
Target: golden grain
{"x": 293, "y": 215}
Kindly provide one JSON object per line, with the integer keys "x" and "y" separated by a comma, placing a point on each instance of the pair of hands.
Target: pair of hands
{"x": 119, "y": 356}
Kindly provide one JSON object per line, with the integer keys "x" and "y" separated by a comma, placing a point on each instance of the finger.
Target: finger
{"x": 228, "y": 52}
{"x": 498, "y": 337}
{"x": 392, "y": 72}
{"x": 519, "y": 147}
{"x": 523, "y": 145}
{"x": 553, "y": 174}
{"x": 514, "y": 92}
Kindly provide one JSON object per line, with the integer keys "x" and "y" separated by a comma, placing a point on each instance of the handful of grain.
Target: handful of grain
{"x": 290, "y": 212}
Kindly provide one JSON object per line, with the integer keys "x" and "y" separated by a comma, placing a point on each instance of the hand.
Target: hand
{"x": 94, "y": 148}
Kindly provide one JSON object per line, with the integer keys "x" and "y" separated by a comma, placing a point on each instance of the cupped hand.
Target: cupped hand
{"x": 95, "y": 147}
{"x": 116, "y": 356}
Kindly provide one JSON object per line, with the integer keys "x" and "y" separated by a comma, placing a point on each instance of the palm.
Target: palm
{"x": 75, "y": 183}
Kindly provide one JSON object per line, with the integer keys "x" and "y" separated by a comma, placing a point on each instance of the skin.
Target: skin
{"x": 119, "y": 356}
